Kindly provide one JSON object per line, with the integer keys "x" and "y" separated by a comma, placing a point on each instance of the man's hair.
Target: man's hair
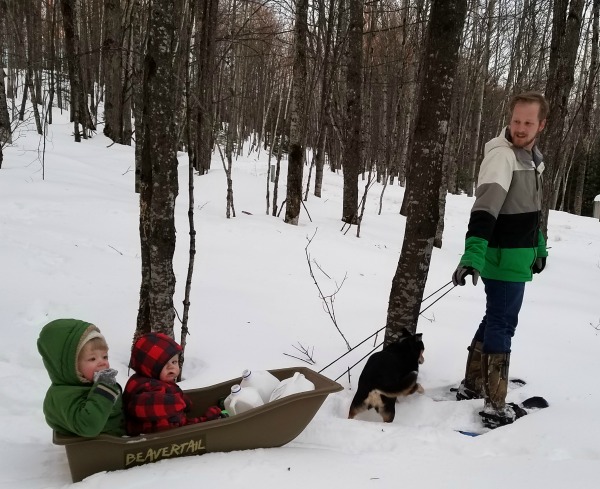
{"x": 531, "y": 98}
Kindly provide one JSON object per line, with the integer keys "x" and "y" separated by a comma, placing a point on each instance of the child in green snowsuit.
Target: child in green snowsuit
{"x": 84, "y": 398}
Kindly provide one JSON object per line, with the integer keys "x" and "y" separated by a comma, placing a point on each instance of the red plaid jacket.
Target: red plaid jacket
{"x": 150, "y": 404}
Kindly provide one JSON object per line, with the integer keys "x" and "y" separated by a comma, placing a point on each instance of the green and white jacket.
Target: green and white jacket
{"x": 504, "y": 239}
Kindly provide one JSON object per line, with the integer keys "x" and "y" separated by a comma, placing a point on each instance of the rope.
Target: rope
{"x": 440, "y": 297}
{"x": 354, "y": 347}
{"x": 350, "y": 368}
{"x": 381, "y": 329}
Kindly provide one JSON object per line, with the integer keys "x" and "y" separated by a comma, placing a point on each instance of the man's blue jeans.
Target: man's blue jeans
{"x": 503, "y": 303}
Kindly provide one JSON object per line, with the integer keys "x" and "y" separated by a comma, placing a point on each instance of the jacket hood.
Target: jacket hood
{"x": 504, "y": 141}
{"x": 59, "y": 344}
{"x": 151, "y": 352}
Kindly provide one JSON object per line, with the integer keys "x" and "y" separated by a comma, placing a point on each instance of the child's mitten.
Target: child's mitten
{"x": 107, "y": 376}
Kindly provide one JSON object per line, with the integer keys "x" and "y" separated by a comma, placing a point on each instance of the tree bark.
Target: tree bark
{"x": 112, "y": 67}
{"x": 80, "y": 114}
{"x": 566, "y": 30}
{"x": 481, "y": 81}
{"x": 207, "y": 21}
{"x": 296, "y": 151}
{"x": 325, "y": 99}
{"x": 138, "y": 25}
{"x": 425, "y": 175}
{"x": 352, "y": 159}
{"x": 192, "y": 229}
{"x": 159, "y": 185}
{"x": 5, "y": 130}
{"x": 29, "y": 26}
{"x": 52, "y": 63}
{"x": 587, "y": 110}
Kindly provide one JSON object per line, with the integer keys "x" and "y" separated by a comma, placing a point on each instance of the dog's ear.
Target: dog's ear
{"x": 405, "y": 333}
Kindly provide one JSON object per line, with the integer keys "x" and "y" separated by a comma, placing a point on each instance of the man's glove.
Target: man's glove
{"x": 460, "y": 274}
{"x": 107, "y": 376}
{"x": 539, "y": 265}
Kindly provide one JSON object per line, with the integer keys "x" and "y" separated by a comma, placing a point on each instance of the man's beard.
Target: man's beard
{"x": 527, "y": 142}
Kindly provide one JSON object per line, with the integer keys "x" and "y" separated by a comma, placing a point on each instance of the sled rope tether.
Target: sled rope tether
{"x": 381, "y": 329}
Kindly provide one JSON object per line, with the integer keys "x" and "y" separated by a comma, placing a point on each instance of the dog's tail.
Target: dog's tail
{"x": 405, "y": 386}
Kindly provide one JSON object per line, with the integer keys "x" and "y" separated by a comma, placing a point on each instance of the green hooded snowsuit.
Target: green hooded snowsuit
{"x": 73, "y": 406}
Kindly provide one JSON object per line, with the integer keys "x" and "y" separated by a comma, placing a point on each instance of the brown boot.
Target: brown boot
{"x": 472, "y": 385}
{"x": 495, "y": 384}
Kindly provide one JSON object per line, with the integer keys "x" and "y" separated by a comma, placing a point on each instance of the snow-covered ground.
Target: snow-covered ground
{"x": 69, "y": 247}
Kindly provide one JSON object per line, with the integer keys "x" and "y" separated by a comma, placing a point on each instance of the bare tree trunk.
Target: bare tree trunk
{"x": 205, "y": 40}
{"x": 325, "y": 101}
{"x": 192, "y": 230}
{"x": 5, "y": 129}
{"x": 352, "y": 161}
{"x": 159, "y": 186}
{"x": 52, "y": 63}
{"x": 417, "y": 34}
{"x": 441, "y": 54}
{"x": 279, "y": 146}
{"x": 29, "y": 20}
{"x": 481, "y": 82}
{"x": 588, "y": 106}
{"x": 413, "y": 97}
{"x": 450, "y": 165}
{"x": 515, "y": 59}
{"x": 127, "y": 60}
{"x": 139, "y": 42}
{"x": 112, "y": 67}
{"x": 233, "y": 89}
{"x": 296, "y": 152}
{"x": 272, "y": 143}
{"x": 80, "y": 113}
{"x": 566, "y": 30}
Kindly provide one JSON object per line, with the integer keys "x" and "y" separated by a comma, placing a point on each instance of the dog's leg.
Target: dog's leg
{"x": 388, "y": 410}
{"x": 415, "y": 388}
{"x": 358, "y": 404}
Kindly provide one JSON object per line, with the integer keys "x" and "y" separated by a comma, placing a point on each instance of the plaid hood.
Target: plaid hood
{"x": 151, "y": 352}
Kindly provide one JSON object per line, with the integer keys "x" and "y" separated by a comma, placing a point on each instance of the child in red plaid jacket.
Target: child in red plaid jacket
{"x": 152, "y": 400}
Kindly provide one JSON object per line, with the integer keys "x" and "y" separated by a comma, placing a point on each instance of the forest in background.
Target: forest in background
{"x": 332, "y": 84}
{"x": 232, "y": 72}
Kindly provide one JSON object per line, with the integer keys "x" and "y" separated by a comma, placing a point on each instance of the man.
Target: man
{"x": 506, "y": 247}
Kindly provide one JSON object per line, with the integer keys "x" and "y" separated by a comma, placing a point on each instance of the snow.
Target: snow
{"x": 70, "y": 248}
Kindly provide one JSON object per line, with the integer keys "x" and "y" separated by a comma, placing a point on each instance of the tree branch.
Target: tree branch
{"x": 329, "y": 299}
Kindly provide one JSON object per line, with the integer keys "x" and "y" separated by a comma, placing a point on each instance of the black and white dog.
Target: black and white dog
{"x": 389, "y": 374}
